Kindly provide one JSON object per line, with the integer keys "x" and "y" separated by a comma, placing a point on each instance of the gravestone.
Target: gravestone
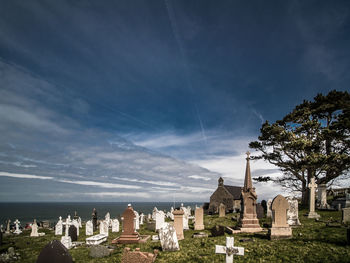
{"x": 96, "y": 239}
{"x": 34, "y": 232}
{"x": 222, "y": 210}
{"x": 248, "y": 217}
{"x": 94, "y": 219}
{"x": 264, "y": 205}
{"x": 115, "y": 225}
{"x": 268, "y": 208}
{"x": 346, "y": 215}
{"x": 17, "y": 231}
{"x": 185, "y": 217}
{"x": 171, "y": 213}
{"x": 155, "y": 210}
{"x": 280, "y": 228}
{"x": 259, "y": 211}
{"x": 178, "y": 223}
{"x": 129, "y": 235}
{"x": 198, "y": 224}
{"x": 230, "y": 250}
{"x": 312, "y": 187}
{"x": 293, "y": 213}
{"x": 66, "y": 239}
{"x": 76, "y": 224}
{"x": 54, "y": 252}
{"x": 159, "y": 220}
{"x": 79, "y": 221}
{"x": 217, "y": 231}
{"x": 137, "y": 220}
{"x": 8, "y": 227}
{"x": 142, "y": 218}
{"x": 108, "y": 219}
{"x": 89, "y": 228}
{"x": 168, "y": 238}
{"x": 99, "y": 251}
{"x": 59, "y": 227}
{"x": 104, "y": 227}
{"x": 322, "y": 197}
{"x": 137, "y": 256}
{"x": 72, "y": 232}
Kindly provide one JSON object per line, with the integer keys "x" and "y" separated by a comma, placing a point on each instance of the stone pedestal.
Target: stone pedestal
{"x": 280, "y": 233}
{"x": 178, "y": 224}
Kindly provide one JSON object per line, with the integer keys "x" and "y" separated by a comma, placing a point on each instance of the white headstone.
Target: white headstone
{"x": 34, "y": 232}
{"x": 79, "y": 221}
{"x": 17, "y": 231}
{"x": 115, "y": 225}
{"x": 268, "y": 208}
{"x": 104, "y": 228}
{"x": 229, "y": 250}
{"x": 159, "y": 220}
{"x": 155, "y": 210}
{"x": 171, "y": 213}
{"x": 168, "y": 238}
{"x": 108, "y": 219}
{"x": 142, "y": 218}
{"x": 136, "y": 220}
{"x": 66, "y": 240}
{"x": 292, "y": 212}
{"x": 89, "y": 228}
{"x": 59, "y": 227}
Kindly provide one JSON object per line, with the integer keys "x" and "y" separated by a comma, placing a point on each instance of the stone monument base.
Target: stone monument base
{"x": 67, "y": 242}
{"x": 130, "y": 239}
{"x": 250, "y": 225}
{"x": 280, "y": 233}
{"x": 198, "y": 227}
{"x": 313, "y": 215}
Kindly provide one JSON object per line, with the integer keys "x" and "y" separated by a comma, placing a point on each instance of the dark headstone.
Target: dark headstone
{"x": 94, "y": 219}
{"x": 217, "y": 231}
{"x": 72, "y": 232}
{"x": 54, "y": 252}
{"x": 264, "y": 205}
{"x": 260, "y": 211}
{"x": 99, "y": 251}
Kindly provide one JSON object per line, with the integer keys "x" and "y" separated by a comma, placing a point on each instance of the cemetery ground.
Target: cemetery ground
{"x": 313, "y": 241}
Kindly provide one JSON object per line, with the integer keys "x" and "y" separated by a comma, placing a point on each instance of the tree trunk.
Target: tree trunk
{"x": 304, "y": 194}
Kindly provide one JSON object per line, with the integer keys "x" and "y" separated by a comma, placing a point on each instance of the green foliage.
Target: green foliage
{"x": 311, "y": 141}
{"x": 311, "y": 242}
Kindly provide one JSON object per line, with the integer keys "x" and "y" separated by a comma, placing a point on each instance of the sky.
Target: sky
{"x": 154, "y": 100}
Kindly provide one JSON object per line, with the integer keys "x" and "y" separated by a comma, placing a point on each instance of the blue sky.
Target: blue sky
{"x": 154, "y": 100}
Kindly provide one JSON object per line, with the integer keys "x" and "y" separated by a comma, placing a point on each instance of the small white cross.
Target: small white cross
{"x": 229, "y": 250}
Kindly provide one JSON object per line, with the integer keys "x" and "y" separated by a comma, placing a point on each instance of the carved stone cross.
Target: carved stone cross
{"x": 229, "y": 250}
{"x": 312, "y": 187}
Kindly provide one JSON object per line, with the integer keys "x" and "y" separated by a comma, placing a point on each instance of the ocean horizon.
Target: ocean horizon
{"x": 26, "y": 212}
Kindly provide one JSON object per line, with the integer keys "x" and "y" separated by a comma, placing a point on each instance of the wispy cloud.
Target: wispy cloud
{"x": 145, "y": 181}
{"x": 25, "y": 176}
{"x": 100, "y": 184}
{"x": 199, "y": 177}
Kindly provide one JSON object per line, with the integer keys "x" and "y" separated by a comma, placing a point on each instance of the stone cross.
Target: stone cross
{"x": 17, "y": 231}
{"x": 312, "y": 187}
{"x": 229, "y": 250}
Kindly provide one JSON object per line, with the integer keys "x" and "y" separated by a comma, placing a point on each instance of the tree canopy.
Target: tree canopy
{"x": 311, "y": 141}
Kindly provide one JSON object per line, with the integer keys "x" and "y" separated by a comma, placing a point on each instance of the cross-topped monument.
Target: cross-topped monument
{"x": 17, "y": 231}
{"x": 229, "y": 250}
{"x": 312, "y": 186}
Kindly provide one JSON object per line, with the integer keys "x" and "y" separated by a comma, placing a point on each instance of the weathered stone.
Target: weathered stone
{"x": 260, "y": 211}
{"x": 54, "y": 252}
{"x": 198, "y": 224}
{"x": 72, "y": 232}
{"x": 249, "y": 221}
{"x": 160, "y": 219}
{"x": 89, "y": 228}
{"x": 137, "y": 256}
{"x": 346, "y": 215}
{"x": 129, "y": 235}
{"x": 200, "y": 235}
{"x": 322, "y": 197}
{"x": 94, "y": 219}
{"x": 178, "y": 223}
{"x": 104, "y": 230}
{"x": 115, "y": 225}
{"x": 34, "y": 232}
{"x": 217, "y": 231}
{"x": 59, "y": 227}
{"x": 96, "y": 240}
{"x": 280, "y": 228}
{"x": 312, "y": 187}
{"x": 293, "y": 212}
{"x": 268, "y": 208}
{"x": 222, "y": 210}
{"x": 99, "y": 251}
{"x": 168, "y": 238}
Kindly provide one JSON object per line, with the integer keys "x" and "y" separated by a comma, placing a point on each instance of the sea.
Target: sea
{"x": 26, "y": 212}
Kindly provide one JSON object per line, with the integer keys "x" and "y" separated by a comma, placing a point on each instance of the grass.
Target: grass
{"x": 311, "y": 242}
